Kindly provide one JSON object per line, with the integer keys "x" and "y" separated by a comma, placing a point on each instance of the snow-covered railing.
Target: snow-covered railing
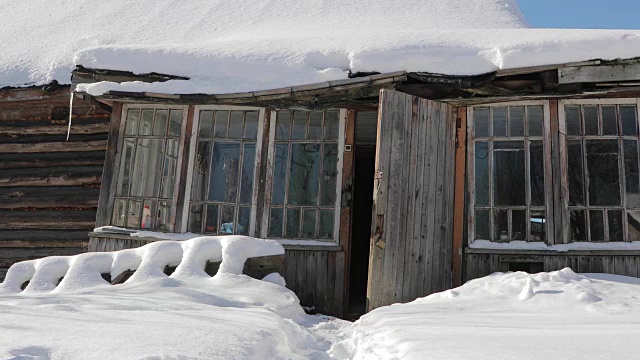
{"x": 198, "y": 257}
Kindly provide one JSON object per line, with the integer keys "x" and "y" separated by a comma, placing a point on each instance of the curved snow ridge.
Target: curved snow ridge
{"x": 67, "y": 273}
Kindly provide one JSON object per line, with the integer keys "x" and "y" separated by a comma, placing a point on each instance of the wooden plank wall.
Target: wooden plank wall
{"x": 413, "y": 200}
{"x": 480, "y": 265}
{"x": 49, "y": 187}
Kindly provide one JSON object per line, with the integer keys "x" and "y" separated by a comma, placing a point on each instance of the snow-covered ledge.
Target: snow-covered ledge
{"x": 543, "y": 247}
{"x": 289, "y": 244}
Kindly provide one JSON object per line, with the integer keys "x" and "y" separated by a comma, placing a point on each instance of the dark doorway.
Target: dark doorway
{"x": 365, "y": 150}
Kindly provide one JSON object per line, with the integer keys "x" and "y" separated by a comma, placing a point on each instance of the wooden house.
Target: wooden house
{"x": 388, "y": 187}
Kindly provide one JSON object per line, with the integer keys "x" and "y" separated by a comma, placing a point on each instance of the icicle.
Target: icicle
{"x": 70, "y": 114}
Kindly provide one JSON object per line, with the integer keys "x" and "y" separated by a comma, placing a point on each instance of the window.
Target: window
{"x": 224, "y": 169}
{"x": 602, "y": 171}
{"x": 508, "y": 168}
{"x": 147, "y": 169}
{"x": 305, "y": 177}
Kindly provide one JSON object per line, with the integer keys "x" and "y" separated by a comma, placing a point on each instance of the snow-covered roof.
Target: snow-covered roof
{"x": 247, "y": 45}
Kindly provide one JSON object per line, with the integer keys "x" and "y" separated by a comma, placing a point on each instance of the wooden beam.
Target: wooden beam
{"x": 184, "y": 167}
{"x": 58, "y": 146}
{"x": 459, "y": 195}
{"x": 599, "y": 74}
{"x": 48, "y": 197}
{"x": 58, "y": 176}
{"x": 108, "y": 187}
{"x": 346, "y": 203}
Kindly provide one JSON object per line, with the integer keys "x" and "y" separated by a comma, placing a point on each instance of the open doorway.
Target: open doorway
{"x": 365, "y": 153}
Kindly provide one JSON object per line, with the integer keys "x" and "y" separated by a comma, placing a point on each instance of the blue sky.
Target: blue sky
{"x": 587, "y": 14}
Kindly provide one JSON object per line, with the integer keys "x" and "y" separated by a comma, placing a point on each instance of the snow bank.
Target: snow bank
{"x": 556, "y": 315}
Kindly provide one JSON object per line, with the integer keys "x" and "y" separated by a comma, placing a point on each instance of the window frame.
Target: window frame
{"x": 546, "y": 139}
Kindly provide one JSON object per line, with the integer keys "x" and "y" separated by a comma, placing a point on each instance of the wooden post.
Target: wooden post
{"x": 108, "y": 186}
{"x": 459, "y": 193}
{"x": 184, "y": 168}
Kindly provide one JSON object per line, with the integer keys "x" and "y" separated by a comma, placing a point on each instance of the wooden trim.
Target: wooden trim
{"x": 555, "y": 253}
{"x": 348, "y": 120}
{"x": 109, "y": 181}
{"x": 597, "y": 101}
{"x": 258, "y": 175}
{"x": 183, "y": 178}
{"x": 459, "y": 196}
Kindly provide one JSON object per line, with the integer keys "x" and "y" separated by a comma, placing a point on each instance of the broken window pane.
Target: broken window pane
{"x": 303, "y": 177}
{"x": 590, "y": 120}
{"x": 283, "y": 125}
{"x": 609, "y": 120}
{"x": 518, "y": 225}
{"x": 326, "y": 224}
{"x": 481, "y": 122}
{"x": 614, "y": 218}
{"x": 535, "y": 116}
{"x": 299, "y": 125}
{"x": 596, "y": 225}
{"x": 293, "y": 223}
{"x": 195, "y": 219}
{"x": 222, "y": 124}
{"x": 633, "y": 225}
{"x": 211, "y": 223}
{"x": 251, "y": 125}
{"x": 501, "y": 225}
{"x": 538, "y": 225}
{"x": 536, "y": 169}
{"x": 575, "y": 174}
{"x": 628, "y": 120}
{"x": 602, "y": 170}
{"x": 500, "y": 121}
{"x": 236, "y": 123}
{"x": 225, "y": 165}
{"x": 572, "y": 114}
{"x": 631, "y": 173}
{"x": 280, "y": 173}
{"x": 577, "y": 226}
{"x": 516, "y": 121}
{"x": 146, "y": 122}
{"x": 132, "y": 122}
{"x": 509, "y": 173}
{"x": 275, "y": 223}
{"x": 482, "y": 173}
{"x": 483, "y": 225}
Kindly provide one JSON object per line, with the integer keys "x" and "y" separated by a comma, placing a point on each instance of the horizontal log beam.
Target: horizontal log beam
{"x": 40, "y": 160}
{"x": 38, "y": 139}
{"x": 62, "y": 146}
{"x": 48, "y": 197}
{"x": 76, "y": 129}
{"x": 58, "y": 176}
{"x": 63, "y": 219}
{"x": 11, "y": 256}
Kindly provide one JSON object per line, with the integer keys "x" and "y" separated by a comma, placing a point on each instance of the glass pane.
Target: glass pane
{"x": 227, "y": 224}
{"x": 148, "y": 209}
{"x": 329, "y": 174}
{"x": 609, "y": 121}
{"x": 163, "y": 220}
{"x": 201, "y": 171}
{"x": 572, "y": 114}
{"x": 195, "y": 219}
{"x": 500, "y": 121}
{"x": 483, "y": 225}
{"x": 331, "y": 124}
{"x": 518, "y": 225}
{"x": 303, "y": 176}
{"x": 309, "y": 223}
{"x": 633, "y": 225}
{"x": 615, "y": 225}
{"x": 293, "y": 223}
{"x": 590, "y": 120}
{"x": 299, "y": 125}
{"x": 577, "y": 225}
{"x": 160, "y": 125}
{"x": 536, "y": 170}
{"x": 482, "y": 173}
{"x": 244, "y": 219}
{"x": 169, "y": 172}
{"x": 516, "y": 121}
{"x": 225, "y": 165}
{"x": 235, "y": 124}
{"x": 283, "y": 125}
{"x": 275, "y": 223}
{"x": 148, "y": 164}
{"x": 602, "y": 170}
{"x": 146, "y": 123}
{"x": 596, "y": 225}
{"x": 509, "y": 176}
{"x": 248, "y": 166}
{"x": 574, "y": 172}
{"x": 315, "y": 125}
{"x": 326, "y": 224}
{"x": 119, "y": 213}
{"x": 134, "y": 213}
{"x": 501, "y": 225}
{"x": 538, "y": 225}
{"x": 211, "y": 222}
{"x": 535, "y": 116}
{"x": 631, "y": 173}
{"x": 132, "y": 122}
{"x": 481, "y": 122}
{"x": 124, "y": 177}
{"x": 206, "y": 124}
{"x": 280, "y": 173}
{"x": 628, "y": 119}
{"x": 175, "y": 122}
{"x": 251, "y": 125}
{"x": 221, "y": 125}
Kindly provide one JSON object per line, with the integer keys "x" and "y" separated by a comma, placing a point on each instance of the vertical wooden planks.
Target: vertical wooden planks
{"x": 459, "y": 193}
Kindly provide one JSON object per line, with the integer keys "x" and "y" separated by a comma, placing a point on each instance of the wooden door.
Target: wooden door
{"x": 412, "y": 227}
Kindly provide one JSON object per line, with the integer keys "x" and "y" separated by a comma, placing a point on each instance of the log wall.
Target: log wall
{"x": 49, "y": 186}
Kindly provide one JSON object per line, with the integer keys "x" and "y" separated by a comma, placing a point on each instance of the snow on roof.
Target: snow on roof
{"x": 262, "y": 44}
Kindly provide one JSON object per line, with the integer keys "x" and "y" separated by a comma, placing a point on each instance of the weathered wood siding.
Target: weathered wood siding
{"x": 49, "y": 187}
{"x": 413, "y": 200}
{"x": 478, "y": 264}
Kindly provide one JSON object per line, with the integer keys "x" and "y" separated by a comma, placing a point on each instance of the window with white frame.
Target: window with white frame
{"x": 305, "y": 168}
{"x": 222, "y": 188}
{"x": 147, "y": 169}
{"x": 602, "y": 170}
{"x": 507, "y": 150}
